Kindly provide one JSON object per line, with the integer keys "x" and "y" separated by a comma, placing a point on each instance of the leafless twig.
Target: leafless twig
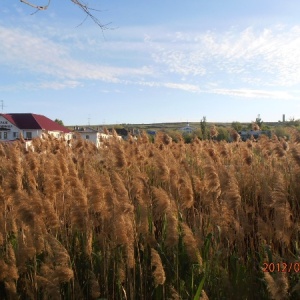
{"x": 79, "y": 3}
{"x": 38, "y": 7}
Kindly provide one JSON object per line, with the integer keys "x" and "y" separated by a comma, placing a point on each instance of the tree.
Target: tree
{"x": 236, "y": 126}
{"x": 84, "y": 7}
{"x": 223, "y": 134}
{"x": 203, "y": 126}
{"x": 293, "y": 122}
{"x": 259, "y": 121}
{"x": 60, "y": 122}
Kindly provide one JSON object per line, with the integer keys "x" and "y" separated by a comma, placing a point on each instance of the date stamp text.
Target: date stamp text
{"x": 292, "y": 267}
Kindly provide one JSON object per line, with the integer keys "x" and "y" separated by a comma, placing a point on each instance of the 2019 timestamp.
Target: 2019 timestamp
{"x": 281, "y": 267}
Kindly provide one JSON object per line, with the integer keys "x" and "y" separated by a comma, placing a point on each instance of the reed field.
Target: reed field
{"x": 150, "y": 220}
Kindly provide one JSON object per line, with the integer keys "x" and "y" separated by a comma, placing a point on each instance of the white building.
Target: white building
{"x": 93, "y": 135}
{"x": 187, "y": 129}
{"x": 30, "y": 126}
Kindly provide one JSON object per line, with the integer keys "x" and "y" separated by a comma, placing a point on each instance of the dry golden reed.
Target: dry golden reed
{"x": 191, "y": 244}
{"x": 278, "y": 287}
{"x": 161, "y": 202}
{"x": 146, "y": 220}
{"x": 158, "y": 270}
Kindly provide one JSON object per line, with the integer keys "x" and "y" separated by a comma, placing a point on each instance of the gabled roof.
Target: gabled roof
{"x": 33, "y": 121}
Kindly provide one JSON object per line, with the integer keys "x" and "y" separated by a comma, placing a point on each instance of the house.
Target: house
{"x": 89, "y": 134}
{"x": 92, "y": 135}
{"x": 187, "y": 129}
{"x": 247, "y": 134}
{"x": 122, "y": 132}
{"x": 30, "y": 126}
{"x": 151, "y": 132}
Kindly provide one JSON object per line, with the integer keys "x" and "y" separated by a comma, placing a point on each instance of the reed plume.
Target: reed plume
{"x": 190, "y": 244}
{"x": 213, "y": 131}
{"x": 231, "y": 193}
{"x": 235, "y": 136}
{"x": 278, "y": 288}
{"x": 282, "y": 210}
{"x": 161, "y": 202}
{"x": 94, "y": 286}
{"x": 212, "y": 182}
{"x": 203, "y": 296}
{"x": 157, "y": 268}
{"x": 186, "y": 194}
{"x": 172, "y": 232}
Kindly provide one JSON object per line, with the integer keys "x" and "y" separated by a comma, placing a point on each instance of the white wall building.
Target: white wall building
{"x": 187, "y": 129}
{"x": 93, "y": 136}
{"x": 30, "y": 126}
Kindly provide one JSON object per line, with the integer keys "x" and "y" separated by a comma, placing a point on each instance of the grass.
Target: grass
{"x": 142, "y": 220}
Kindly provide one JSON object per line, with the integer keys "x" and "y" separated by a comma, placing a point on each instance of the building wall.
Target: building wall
{"x": 95, "y": 137}
{"x": 29, "y": 134}
{"x": 59, "y": 134}
{"x": 12, "y": 131}
{"x": 90, "y": 136}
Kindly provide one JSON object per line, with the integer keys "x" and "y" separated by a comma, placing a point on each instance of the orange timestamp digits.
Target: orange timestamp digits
{"x": 281, "y": 267}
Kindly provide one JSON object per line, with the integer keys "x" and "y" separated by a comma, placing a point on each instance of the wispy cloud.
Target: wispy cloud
{"x": 244, "y": 63}
{"x": 248, "y": 93}
{"x": 182, "y": 86}
{"x": 265, "y": 57}
{"x": 59, "y": 85}
{"x": 35, "y": 54}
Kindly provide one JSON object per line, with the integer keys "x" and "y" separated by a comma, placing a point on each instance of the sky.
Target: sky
{"x": 155, "y": 61}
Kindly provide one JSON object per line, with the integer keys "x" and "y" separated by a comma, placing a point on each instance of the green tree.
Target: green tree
{"x": 203, "y": 126}
{"x": 223, "y": 134}
{"x": 174, "y": 134}
{"x": 293, "y": 122}
{"x": 281, "y": 131}
{"x": 236, "y": 126}
{"x": 259, "y": 121}
{"x": 60, "y": 122}
{"x": 187, "y": 137}
{"x": 198, "y": 133}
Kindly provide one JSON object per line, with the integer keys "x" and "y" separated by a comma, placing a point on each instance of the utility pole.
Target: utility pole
{"x": 2, "y": 105}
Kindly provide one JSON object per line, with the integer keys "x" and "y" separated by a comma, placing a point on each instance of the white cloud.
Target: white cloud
{"x": 182, "y": 86}
{"x": 59, "y": 85}
{"x": 265, "y": 57}
{"x": 248, "y": 93}
{"x": 202, "y": 62}
{"x": 25, "y": 51}
{"x": 33, "y": 86}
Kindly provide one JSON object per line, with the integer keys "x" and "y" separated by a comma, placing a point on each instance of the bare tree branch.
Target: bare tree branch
{"x": 87, "y": 10}
{"x": 38, "y": 7}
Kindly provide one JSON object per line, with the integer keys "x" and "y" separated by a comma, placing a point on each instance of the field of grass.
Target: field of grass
{"x": 142, "y": 220}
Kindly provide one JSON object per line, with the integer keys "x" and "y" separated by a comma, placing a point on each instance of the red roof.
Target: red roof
{"x": 33, "y": 121}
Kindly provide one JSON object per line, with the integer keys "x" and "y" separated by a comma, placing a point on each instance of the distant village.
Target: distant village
{"x": 28, "y": 126}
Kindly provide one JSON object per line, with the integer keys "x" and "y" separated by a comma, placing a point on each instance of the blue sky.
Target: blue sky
{"x": 159, "y": 61}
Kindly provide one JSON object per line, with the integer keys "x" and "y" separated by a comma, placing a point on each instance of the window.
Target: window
{"x": 28, "y": 135}
{"x": 0, "y": 135}
{"x": 15, "y": 135}
{"x": 87, "y": 137}
{"x": 5, "y": 135}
